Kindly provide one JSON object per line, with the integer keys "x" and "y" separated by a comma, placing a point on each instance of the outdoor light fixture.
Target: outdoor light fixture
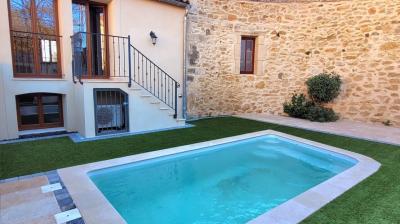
{"x": 153, "y": 37}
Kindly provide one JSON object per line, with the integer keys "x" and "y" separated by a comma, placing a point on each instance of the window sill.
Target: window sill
{"x": 38, "y": 79}
{"x": 41, "y": 131}
{"x": 247, "y": 74}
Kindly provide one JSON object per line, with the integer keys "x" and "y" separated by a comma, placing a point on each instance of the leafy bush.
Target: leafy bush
{"x": 321, "y": 114}
{"x": 298, "y": 106}
{"x": 324, "y": 87}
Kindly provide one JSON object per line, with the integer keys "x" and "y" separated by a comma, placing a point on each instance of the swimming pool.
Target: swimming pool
{"x": 233, "y": 182}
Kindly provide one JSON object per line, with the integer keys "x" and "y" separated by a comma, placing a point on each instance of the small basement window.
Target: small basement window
{"x": 39, "y": 110}
{"x": 111, "y": 111}
{"x": 247, "y": 50}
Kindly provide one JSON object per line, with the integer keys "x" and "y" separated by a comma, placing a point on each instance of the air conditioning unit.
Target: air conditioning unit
{"x": 109, "y": 116}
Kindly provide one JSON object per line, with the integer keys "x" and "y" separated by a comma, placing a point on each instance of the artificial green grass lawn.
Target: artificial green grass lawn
{"x": 375, "y": 200}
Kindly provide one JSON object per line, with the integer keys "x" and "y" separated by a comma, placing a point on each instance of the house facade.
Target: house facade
{"x": 94, "y": 67}
{"x": 113, "y": 66}
{"x": 288, "y": 41}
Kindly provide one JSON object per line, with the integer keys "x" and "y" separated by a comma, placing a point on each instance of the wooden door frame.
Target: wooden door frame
{"x": 87, "y": 4}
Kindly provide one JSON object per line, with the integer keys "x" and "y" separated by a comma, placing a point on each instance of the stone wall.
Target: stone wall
{"x": 359, "y": 39}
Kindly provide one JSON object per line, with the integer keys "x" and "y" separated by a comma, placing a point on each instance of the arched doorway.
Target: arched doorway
{"x": 39, "y": 110}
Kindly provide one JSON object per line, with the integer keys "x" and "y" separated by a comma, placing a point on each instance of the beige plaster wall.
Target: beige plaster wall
{"x": 358, "y": 39}
{"x": 137, "y": 18}
{"x": 126, "y": 17}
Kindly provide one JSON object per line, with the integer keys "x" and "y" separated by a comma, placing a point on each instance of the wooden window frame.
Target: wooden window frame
{"x": 90, "y": 74}
{"x": 245, "y": 71}
{"x": 41, "y": 124}
{"x": 36, "y": 45}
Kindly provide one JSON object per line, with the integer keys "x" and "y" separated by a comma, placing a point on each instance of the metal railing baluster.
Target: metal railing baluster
{"x": 145, "y": 72}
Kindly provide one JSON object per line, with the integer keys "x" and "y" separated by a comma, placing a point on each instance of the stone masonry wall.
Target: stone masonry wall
{"x": 359, "y": 39}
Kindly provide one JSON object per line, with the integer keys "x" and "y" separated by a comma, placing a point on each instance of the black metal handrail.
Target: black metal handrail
{"x": 36, "y": 53}
{"x": 154, "y": 80}
{"x": 34, "y": 33}
{"x": 99, "y": 56}
{"x": 123, "y": 60}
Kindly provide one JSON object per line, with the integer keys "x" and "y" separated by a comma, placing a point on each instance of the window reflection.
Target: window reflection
{"x": 21, "y": 17}
{"x": 49, "y": 50}
{"x": 45, "y": 16}
{"x": 34, "y": 37}
{"x": 39, "y": 110}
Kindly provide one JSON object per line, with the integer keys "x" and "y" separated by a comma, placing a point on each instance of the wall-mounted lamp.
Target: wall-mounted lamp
{"x": 153, "y": 37}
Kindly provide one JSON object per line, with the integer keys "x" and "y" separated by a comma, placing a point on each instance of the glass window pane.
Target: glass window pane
{"x": 46, "y": 23}
{"x": 51, "y": 108}
{"x": 46, "y": 20}
{"x": 48, "y": 55}
{"x": 249, "y": 55}
{"x": 50, "y": 99}
{"x": 97, "y": 19}
{"x": 53, "y": 51}
{"x": 21, "y": 22}
{"x": 21, "y": 18}
{"x": 79, "y": 40}
{"x": 79, "y": 17}
{"x": 45, "y": 45}
{"x": 28, "y": 109}
{"x": 23, "y": 52}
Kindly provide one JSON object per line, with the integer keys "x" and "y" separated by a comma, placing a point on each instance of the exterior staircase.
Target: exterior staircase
{"x": 144, "y": 78}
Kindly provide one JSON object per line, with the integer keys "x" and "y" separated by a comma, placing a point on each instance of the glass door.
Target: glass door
{"x": 90, "y": 39}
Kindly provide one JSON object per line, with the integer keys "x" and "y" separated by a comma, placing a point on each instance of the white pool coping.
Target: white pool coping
{"x": 95, "y": 208}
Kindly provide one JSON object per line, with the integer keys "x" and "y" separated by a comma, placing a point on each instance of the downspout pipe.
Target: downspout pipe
{"x": 184, "y": 83}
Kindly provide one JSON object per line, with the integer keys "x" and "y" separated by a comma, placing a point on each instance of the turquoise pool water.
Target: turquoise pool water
{"x": 228, "y": 183}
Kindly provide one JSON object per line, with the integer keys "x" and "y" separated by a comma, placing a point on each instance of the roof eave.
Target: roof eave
{"x": 176, "y": 3}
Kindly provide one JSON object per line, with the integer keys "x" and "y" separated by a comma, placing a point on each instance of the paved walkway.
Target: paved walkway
{"x": 373, "y": 132}
{"x": 22, "y": 201}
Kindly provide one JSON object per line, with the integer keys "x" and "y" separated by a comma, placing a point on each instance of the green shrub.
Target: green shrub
{"x": 324, "y": 87}
{"x": 321, "y": 114}
{"x": 298, "y": 107}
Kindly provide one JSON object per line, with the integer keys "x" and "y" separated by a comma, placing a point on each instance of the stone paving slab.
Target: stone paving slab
{"x": 22, "y": 201}
{"x": 372, "y": 132}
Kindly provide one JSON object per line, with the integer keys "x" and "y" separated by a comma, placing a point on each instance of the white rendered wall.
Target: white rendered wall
{"x": 143, "y": 116}
{"x": 125, "y": 17}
